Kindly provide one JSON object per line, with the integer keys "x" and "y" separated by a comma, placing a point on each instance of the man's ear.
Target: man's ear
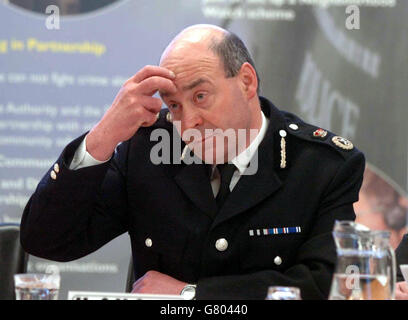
{"x": 248, "y": 80}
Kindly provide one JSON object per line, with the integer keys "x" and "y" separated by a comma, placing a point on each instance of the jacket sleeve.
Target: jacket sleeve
{"x": 316, "y": 258}
{"x": 77, "y": 212}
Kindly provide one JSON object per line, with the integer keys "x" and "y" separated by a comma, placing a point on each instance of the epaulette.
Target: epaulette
{"x": 296, "y": 127}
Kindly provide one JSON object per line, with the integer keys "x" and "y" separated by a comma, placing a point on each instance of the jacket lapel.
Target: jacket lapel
{"x": 252, "y": 189}
{"x": 194, "y": 180}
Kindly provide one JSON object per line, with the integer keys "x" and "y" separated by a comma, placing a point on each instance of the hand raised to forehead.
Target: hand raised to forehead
{"x": 132, "y": 108}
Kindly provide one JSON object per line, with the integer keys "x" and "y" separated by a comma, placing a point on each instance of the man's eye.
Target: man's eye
{"x": 173, "y": 106}
{"x": 199, "y": 97}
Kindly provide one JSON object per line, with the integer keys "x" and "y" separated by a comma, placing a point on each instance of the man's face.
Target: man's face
{"x": 206, "y": 100}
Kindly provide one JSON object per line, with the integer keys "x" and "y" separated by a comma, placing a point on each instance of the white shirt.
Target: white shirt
{"x": 83, "y": 159}
{"x": 241, "y": 161}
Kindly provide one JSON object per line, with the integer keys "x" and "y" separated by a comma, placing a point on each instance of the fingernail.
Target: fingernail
{"x": 172, "y": 74}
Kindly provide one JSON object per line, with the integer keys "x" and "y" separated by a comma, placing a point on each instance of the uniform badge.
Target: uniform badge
{"x": 274, "y": 231}
{"x": 342, "y": 143}
{"x": 319, "y": 133}
{"x": 283, "y": 134}
{"x": 169, "y": 117}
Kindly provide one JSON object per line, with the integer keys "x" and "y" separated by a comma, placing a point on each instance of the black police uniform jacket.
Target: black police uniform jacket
{"x": 173, "y": 206}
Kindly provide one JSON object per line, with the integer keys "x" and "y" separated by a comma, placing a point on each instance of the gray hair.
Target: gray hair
{"x": 233, "y": 54}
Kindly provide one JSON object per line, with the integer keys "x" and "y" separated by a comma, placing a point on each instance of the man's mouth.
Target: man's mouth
{"x": 195, "y": 142}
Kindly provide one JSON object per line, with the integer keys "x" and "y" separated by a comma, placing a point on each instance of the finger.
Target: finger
{"x": 150, "y": 118}
{"x": 143, "y": 115}
{"x": 137, "y": 285}
{"x": 136, "y": 288}
{"x": 404, "y": 287}
{"x": 151, "y": 85}
{"x": 147, "y": 109}
{"x": 150, "y": 71}
{"x": 401, "y": 296}
{"x": 152, "y": 104}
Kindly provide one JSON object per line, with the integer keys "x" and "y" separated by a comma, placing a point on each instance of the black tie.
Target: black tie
{"x": 226, "y": 172}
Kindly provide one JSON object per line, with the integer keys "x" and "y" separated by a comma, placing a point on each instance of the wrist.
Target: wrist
{"x": 99, "y": 144}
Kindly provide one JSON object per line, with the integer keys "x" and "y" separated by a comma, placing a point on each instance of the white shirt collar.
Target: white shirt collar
{"x": 242, "y": 160}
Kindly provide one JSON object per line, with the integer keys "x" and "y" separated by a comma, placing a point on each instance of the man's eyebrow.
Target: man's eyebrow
{"x": 190, "y": 86}
{"x": 194, "y": 84}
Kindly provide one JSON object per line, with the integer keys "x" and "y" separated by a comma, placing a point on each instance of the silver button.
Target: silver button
{"x": 294, "y": 126}
{"x": 221, "y": 244}
{"x": 277, "y": 260}
{"x": 169, "y": 117}
{"x": 148, "y": 242}
{"x": 53, "y": 175}
{"x": 282, "y": 133}
{"x": 56, "y": 167}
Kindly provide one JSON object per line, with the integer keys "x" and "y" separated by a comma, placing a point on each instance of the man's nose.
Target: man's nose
{"x": 191, "y": 118}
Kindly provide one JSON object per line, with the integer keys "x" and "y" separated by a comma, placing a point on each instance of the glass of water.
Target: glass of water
{"x": 283, "y": 293}
{"x": 37, "y": 286}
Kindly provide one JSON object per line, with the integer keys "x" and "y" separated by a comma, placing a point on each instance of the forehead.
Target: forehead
{"x": 188, "y": 62}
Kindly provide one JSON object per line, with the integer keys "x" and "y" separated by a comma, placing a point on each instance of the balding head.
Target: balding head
{"x": 226, "y": 46}
{"x": 200, "y": 35}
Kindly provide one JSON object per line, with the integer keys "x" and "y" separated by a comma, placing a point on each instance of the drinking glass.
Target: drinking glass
{"x": 283, "y": 293}
{"x": 37, "y": 286}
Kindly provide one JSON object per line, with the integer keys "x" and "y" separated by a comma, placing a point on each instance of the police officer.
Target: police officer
{"x": 254, "y": 213}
